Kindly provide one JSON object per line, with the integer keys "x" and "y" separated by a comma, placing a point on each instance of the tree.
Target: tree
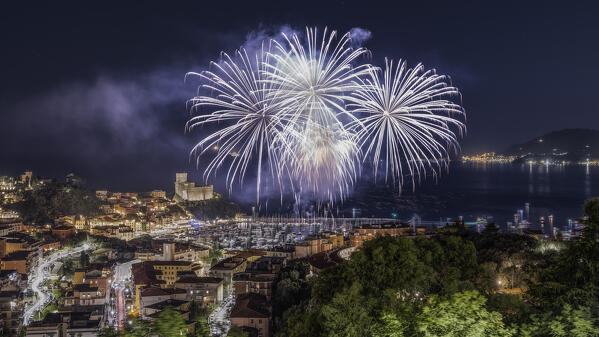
{"x": 236, "y": 331}
{"x": 83, "y": 259}
{"x": 569, "y": 322}
{"x": 573, "y": 277}
{"x": 169, "y": 323}
{"x": 349, "y": 314}
{"x": 491, "y": 228}
{"x": 140, "y": 328}
{"x": 461, "y": 314}
{"x": 108, "y": 331}
{"x": 202, "y": 329}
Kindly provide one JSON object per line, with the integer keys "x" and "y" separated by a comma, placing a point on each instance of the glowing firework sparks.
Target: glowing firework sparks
{"x": 253, "y": 125}
{"x": 409, "y": 120}
{"x": 310, "y": 111}
{"x": 313, "y": 85}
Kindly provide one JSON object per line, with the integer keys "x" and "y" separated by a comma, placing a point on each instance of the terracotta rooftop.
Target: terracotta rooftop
{"x": 161, "y": 291}
{"x": 251, "y": 305}
{"x": 195, "y": 279}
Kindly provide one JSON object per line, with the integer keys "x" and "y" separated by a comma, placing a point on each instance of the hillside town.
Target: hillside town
{"x": 128, "y": 258}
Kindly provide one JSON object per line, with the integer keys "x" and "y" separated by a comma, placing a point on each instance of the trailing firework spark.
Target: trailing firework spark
{"x": 409, "y": 120}
{"x": 242, "y": 102}
{"x": 313, "y": 83}
{"x": 307, "y": 112}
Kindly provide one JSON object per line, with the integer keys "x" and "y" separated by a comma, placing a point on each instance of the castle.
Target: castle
{"x": 188, "y": 191}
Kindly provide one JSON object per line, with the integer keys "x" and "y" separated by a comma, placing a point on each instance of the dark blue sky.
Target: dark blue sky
{"x": 97, "y": 88}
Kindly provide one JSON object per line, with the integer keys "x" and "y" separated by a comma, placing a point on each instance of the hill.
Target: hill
{"x": 569, "y": 144}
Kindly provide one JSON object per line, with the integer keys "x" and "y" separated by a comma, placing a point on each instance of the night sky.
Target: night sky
{"x": 97, "y": 88}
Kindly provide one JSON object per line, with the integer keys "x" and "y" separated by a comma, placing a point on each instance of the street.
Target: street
{"x": 40, "y": 274}
{"x": 219, "y": 319}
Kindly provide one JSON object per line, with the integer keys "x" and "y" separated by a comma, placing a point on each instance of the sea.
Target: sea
{"x": 494, "y": 191}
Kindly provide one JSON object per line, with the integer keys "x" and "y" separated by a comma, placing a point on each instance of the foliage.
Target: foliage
{"x": 140, "y": 328}
{"x": 49, "y": 201}
{"x": 290, "y": 288}
{"x": 572, "y": 276}
{"x": 447, "y": 285}
{"x": 83, "y": 259}
{"x": 235, "y": 331}
{"x": 217, "y": 208}
{"x": 108, "y": 331}
{"x": 169, "y": 323}
{"x": 569, "y": 322}
{"x": 461, "y": 314}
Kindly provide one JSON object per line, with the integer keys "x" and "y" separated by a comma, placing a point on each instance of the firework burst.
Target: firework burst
{"x": 306, "y": 111}
{"x": 252, "y": 125}
{"x": 409, "y": 120}
{"x": 314, "y": 81}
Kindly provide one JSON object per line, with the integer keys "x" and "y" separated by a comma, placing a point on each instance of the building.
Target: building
{"x": 368, "y": 232}
{"x": 158, "y": 194}
{"x": 252, "y": 311}
{"x": 63, "y": 232}
{"x": 228, "y": 267}
{"x": 84, "y": 294}
{"x": 188, "y": 191}
{"x": 11, "y": 305}
{"x": 153, "y": 310}
{"x": 157, "y": 274}
{"x": 20, "y": 261}
{"x": 204, "y": 290}
{"x": 316, "y": 244}
{"x": 150, "y": 296}
{"x": 50, "y": 246}
{"x": 259, "y": 276}
{"x": 287, "y": 252}
{"x": 8, "y": 228}
{"x": 18, "y": 241}
{"x": 169, "y": 269}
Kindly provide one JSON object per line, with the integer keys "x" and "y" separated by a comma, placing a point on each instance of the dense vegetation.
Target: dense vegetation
{"x": 457, "y": 283}
{"x": 217, "y": 208}
{"x": 47, "y": 202}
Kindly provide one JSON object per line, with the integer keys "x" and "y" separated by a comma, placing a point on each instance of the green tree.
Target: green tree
{"x": 349, "y": 314}
{"x": 140, "y": 328}
{"x": 169, "y": 323}
{"x": 108, "y": 331}
{"x": 462, "y": 314}
{"x": 236, "y": 331}
{"x": 83, "y": 259}
{"x": 568, "y": 323}
{"x": 573, "y": 276}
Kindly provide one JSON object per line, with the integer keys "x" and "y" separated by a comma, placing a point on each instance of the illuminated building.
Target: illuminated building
{"x": 188, "y": 191}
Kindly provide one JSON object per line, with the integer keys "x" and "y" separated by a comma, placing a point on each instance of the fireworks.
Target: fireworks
{"x": 308, "y": 113}
{"x": 408, "y": 120}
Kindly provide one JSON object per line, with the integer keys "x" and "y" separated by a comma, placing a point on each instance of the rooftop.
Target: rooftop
{"x": 251, "y": 305}
{"x": 168, "y": 303}
{"x": 195, "y": 279}
{"x": 17, "y": 256}
{"x": 154, "y": 291}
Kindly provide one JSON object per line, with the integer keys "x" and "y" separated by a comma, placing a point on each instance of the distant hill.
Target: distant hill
{"x": 569, "y": 144}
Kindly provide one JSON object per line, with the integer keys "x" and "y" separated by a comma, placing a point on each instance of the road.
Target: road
{"x": 219, "y": 319}
{"x": 40, "y": 274}
{"x": 121, "y": 310}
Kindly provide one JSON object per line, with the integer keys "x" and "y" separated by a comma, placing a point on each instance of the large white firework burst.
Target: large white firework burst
{"x": 313, "y": 81}
{"x": 409, "y": 120}
{"x": 241, "y": 100}
{"x": 310, "y": 110}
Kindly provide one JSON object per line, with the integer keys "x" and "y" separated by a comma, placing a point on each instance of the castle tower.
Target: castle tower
{"x": 168, "y": 251}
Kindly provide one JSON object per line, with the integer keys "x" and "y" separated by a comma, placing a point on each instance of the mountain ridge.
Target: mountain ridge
{"x": 570, "y": 144}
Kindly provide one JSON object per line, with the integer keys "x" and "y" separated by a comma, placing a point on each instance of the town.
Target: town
{"x": 139, "y": 253}
{"x": 131, "y": 257}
